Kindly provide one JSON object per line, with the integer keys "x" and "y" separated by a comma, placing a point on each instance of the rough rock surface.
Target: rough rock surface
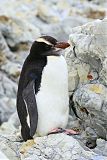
{"x": 21, "y": 22}
{"x": 55, "y": 147}
{"x": 59, "y": 146}
{"x": 88, "y": 77}
{"x": 17, "y": 31}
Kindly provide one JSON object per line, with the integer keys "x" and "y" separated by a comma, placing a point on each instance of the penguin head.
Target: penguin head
{"x": 47, "y": 46}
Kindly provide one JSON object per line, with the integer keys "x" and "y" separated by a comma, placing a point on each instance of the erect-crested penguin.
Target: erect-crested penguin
{"x": 42, "y": 98}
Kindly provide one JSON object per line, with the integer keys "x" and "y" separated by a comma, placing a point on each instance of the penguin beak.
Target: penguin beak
{"x": 62, "y": 45}
{"x": 56, "y": 49}
{"x": 59, "y": 46}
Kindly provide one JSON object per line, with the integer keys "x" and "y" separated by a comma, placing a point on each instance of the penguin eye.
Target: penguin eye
{"x": 48, "y": 47}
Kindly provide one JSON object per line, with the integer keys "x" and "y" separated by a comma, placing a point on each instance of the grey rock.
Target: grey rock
{"x": 13, "y": 123}
{"x": 12, "y": 69}
{"x": 10, "y": 147}
{"x": 8, "y": 90}
{"x": 89, "y": 10}
{"x": 59, "y": 146}
{"x": 7, "y": 107}
{"x": 7, "y": 86}
{"x": 98, "y": 2}
{"x": 2, "y": 156}
{"x": 5, "y": 52}
{"x": 17, "y": 31}
{"x": 92, "y": 97}
{"x": 89, "y": 42}
{"x": 14, "y": 120}
{"x": 62, "y": 29}
{"x": 47, "y": 12}
{"x": 101, "y": 147}
{"x": 86, "y": 59}
{"x": 71, "y": 22}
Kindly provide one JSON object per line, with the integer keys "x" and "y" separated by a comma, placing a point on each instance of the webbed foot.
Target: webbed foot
{"x": 66, "y": 131}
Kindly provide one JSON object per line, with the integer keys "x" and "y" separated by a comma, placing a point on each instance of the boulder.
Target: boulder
{"x": 58, "y": 146}
{"x": 17, "y": 31}
{"x": 87, "y": 67}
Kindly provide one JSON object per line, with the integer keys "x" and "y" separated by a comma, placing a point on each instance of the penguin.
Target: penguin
{"x": 42, "y": 97}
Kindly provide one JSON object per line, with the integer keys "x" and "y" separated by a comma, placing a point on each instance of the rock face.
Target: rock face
{"x": 17, "y": 31}
{"x": 21, "y": 22}
{"x": 60, "y": 147}
{"x": 88, "y": 76}
{"x": 55, "y": 147}
{"x": 2, "y": 156}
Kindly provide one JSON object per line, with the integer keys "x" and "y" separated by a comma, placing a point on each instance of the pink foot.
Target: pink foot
{"x": 56, "y": 130}
{"x": 66, "y": 131}
{"x": 71, "y": 132}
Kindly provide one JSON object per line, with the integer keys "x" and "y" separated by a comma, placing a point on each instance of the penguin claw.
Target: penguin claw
{"x": 66, "y": 131}
{"x": 56, "y": 130}
{"x": 71, "y": 132}
{"x": 26, "y": 146}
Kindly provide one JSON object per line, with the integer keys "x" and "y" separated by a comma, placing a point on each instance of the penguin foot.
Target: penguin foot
{"x": 66, "y": 131}
{"x": 71, "y": 132}
{"x": 56, "y": 130}
{"x": 26, "y": 146}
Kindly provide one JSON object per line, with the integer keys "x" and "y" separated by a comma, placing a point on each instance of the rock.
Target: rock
{"x": 24, "y": 9}
{"x": 62, "y": 9}
{"x": 12, "y": 125}
{"x": 92, "y": 50}
{"x": 101, "y": 147}
{"x": 96, "y": 13}
{"x": 92, "y": 98}
{"x": 7, "y": 97}
{"x": 8, "y": 87}
{"x": 88, "y": 10}
{"x": 58, "y": 146}
{"x": 55, "y": 147}
{"x": 73, "y": 77}
{"x": 2, "y": 156}
{"x": 86, "y": 59}
{"x": 62, "y": 29}
{"x": 103, "y": 73}
{"x": 9, "y": 147}
{"x": 72, "y": 21}
{"x": 14, "y": 120}
{"x": 98, "y": 2}
{"x": 77, "y": 70}
{"x": 47, "y": 13}
{"x": 7, "y": 108}
{"x": 89, "y": 92}
{"x": 7, "y": 128}
{"x": 4, "y": 50}
{"x": 17, "y": 31}
{"x": 12, "y": 69}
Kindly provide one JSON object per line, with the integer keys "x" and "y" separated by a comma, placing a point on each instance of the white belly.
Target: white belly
{"x": 52, "y": 99}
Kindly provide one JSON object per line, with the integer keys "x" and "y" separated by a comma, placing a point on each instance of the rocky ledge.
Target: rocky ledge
{"x": 55, "y": 147}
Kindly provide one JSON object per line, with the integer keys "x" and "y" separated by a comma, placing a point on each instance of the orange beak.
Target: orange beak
{"x": 62, "y": 45}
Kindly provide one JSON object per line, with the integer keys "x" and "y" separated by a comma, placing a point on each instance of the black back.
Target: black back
{"x": 32, "y": 70}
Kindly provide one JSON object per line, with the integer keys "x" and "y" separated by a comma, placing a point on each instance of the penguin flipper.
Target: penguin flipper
{"x": 30, "y": 100}
{"x": 22, "y": 113}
